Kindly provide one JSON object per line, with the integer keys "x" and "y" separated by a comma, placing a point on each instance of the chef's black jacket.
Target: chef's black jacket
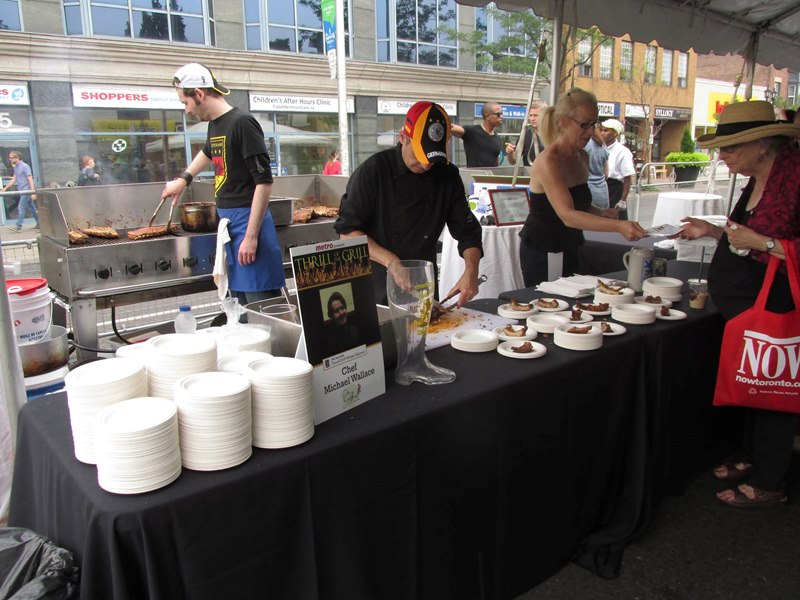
{"x": 405, "y": 212}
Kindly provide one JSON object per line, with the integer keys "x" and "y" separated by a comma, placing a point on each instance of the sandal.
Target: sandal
{"x": 761, "y": 498}
{"x": 733, "y": 471}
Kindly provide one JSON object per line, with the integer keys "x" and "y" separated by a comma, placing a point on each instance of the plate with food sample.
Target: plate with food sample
{"x": 526, "y": 349}
{"x": 598, "y": 309}
{"x": 513, "y": 333}
{"x": 551, "y": 304}
{"x": 576, "y": 316}
{"x": 608, "y": 328}
{"x": 653, "y": 300}
{"x": 670, "y": 314}
{"x": 517, "y": 310}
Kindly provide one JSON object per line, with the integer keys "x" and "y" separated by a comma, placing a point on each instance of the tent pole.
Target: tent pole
{"x": 526, "y": 120}
{"x": 750, "y": 58}
{"x": 555, "y": 60}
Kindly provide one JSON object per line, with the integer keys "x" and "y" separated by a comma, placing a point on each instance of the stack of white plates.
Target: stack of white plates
{"x": 666, "y": 287}
{"x": 137, "y": 445}
{"x": 474, "y": 340}
{"x": 546, "y": 322}
{"x": 283, "y": 409}
{"x": 94, "y": 386}
{"x": 214, "y": 417}
{"x": 237, "y": 362}
{"x": 138, "y": 351}
{"x": 174, "y": 356}
{"x": 591, "y": 340}
{"x": 624, "y": 297}
{"x": 242, "y": 337}
{"x": 634, "y": 314}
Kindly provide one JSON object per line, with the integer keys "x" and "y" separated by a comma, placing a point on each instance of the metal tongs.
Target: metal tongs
{"x": 481, "y": 279}
{"x": 158, "y": 208}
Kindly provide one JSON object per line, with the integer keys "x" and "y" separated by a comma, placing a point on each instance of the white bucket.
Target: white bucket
{"x": 31, "y": 308}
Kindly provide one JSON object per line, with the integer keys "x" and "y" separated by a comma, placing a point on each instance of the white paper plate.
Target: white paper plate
{"x": 505, "y": 349}
{"x": 634, "y": 314}
{"x": 585, "y": 316}
{"x": 562, "y": 305}
{"x": 641, "y": 300}
{"x": 546, "y": 322}
{"x": 616, "y": 328}
{"x": 504, "y": 310}
{"x": 591, "y": 340}
{"x": 530, "y": 334}
{"x": 663, "y": 282}
{"x": 474, "y": 340}
{"x": 674, "y": 315}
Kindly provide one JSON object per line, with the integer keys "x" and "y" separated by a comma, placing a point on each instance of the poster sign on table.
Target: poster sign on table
{"x": 510, "y": 205}
{"x": 341, "y": 330}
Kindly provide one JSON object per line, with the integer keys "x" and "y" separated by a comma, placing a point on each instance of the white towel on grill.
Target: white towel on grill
{"x": 220, "y": 263}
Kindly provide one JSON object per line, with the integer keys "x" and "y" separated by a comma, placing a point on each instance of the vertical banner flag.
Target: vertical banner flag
{"x": 329, "y": 31}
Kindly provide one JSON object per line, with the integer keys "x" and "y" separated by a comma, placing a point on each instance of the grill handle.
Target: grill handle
{"x": 142, "y": 287}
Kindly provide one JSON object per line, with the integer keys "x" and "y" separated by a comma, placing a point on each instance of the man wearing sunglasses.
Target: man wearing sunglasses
{"x": 620, "y": 163}
{"x": 482, "y": 145}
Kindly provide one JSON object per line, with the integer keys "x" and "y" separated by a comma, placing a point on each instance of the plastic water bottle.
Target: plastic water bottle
{"x": 185, "y": 321}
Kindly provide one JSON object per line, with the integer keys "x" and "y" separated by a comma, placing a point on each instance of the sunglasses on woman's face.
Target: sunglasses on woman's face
{"x": 585, "y": 124}
{"x": 729, "y": 149}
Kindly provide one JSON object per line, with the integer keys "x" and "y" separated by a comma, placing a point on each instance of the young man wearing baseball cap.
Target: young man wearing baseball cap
{"x": 242, "y": 183}
{"x": 401, "y": 199}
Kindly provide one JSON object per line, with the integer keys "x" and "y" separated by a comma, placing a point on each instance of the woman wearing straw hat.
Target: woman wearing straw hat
{"x": 752, "y": 143}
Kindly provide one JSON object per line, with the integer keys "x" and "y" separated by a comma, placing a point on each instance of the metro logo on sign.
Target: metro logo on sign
{"x": 14, "y": 94}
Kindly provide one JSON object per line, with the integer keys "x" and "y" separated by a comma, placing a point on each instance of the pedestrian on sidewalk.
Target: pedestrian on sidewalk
{"x": 23, "y": 178}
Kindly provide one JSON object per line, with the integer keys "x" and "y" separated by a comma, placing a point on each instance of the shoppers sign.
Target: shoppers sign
{"x": 94, "y": 96}
{"x": 14, "y": 94}
{"x": 280, "y": 103}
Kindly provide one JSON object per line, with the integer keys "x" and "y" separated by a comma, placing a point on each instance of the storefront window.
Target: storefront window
{"x": 416, "y": 32}
{"x": 136, "y": 146}
{"x": 189, "y": 21}
{"x": 299, "y": 143}
{"x": 9, "y": 15}
{"x": 288, "y": 26}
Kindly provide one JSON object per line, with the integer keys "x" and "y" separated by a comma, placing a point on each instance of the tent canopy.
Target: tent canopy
{"x": 721, "y": 26}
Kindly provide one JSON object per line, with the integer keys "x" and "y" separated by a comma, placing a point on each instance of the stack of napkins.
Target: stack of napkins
{"x": 576, "y": 286}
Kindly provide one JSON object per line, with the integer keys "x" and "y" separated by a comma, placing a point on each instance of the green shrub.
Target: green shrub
{"x": 688, "y": 159}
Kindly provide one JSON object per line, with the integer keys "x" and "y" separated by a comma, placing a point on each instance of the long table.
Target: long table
{"x": 477, "y": 489}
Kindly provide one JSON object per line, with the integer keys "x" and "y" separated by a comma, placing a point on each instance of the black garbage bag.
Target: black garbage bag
{"x": 33, "y": 568}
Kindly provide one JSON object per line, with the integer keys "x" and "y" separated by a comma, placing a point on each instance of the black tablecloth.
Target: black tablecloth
{"x": 477, "y": 489}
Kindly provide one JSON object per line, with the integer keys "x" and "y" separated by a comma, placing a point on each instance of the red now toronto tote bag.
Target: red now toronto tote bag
{"x": 759, "y": 364}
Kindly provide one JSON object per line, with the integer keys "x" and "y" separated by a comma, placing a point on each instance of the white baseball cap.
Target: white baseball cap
{"x": 613, "y": 124}
{"x": 195, "y": 75}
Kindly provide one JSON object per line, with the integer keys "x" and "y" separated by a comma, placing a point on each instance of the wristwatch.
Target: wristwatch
{"x": 770, "y": 244}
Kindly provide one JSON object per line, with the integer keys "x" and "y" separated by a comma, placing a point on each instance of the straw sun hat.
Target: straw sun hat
{"x": 742, "y": 122}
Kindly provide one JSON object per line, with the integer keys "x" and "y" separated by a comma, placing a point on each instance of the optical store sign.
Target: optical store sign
{"x": 94, "y": 96}
{"x": 284, "y": 103}
{"x": 14, "y": 94}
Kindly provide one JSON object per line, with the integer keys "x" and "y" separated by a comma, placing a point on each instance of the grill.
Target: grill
{"x": 107, "y": 273}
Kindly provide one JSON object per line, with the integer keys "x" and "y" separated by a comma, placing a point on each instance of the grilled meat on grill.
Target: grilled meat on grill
{"x": 150, "y": 232}
{"x": 101, "y": 232}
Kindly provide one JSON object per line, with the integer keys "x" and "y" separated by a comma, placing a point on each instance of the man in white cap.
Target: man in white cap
{"x": 620, "y": 163}
{"x": 236, "y": 149}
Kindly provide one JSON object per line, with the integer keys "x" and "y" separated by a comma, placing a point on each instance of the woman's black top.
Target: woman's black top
{"x": 734, "y": 281}
{"x": 545, "y": 231}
